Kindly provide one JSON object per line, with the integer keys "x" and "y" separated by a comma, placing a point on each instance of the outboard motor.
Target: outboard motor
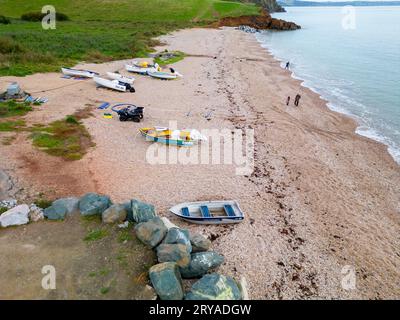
{"x": 127, "y": 86}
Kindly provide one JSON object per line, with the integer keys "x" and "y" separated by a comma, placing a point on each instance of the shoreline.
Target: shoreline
{"x": 320, "y": 197}
{"x": 394, "y": 153}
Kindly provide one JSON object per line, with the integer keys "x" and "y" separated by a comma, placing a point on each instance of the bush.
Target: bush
{"x": 38, "y": 16}
{"x": 4, "y": 20}
{"x": 9, "y": 45}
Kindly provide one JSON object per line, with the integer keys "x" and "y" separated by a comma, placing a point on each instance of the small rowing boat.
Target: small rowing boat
{"x": 209, "y": 212}
{"x": 113, "y": 84}
{"x": 78, "y": 73}
{"x": 120, "y": 77}
{"x": 164, "y": 75}
{"x": 183, "y": 138}
{"x": 141, "y": 67}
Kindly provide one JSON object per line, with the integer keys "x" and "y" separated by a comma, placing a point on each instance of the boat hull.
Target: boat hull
{"x": 119, "y": 77}
{"x": 78, "y": 73}
{"x": 140, "y": 70}
{"x": 111, "y": 84}
{"x": 162, "y": 75}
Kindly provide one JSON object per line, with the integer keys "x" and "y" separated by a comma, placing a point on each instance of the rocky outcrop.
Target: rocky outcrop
{"x": 166, "y": 280}
{"x": 261, "y": 22}
{"x": 215, "y": 287}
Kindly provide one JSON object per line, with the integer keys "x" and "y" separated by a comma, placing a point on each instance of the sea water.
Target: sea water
{"x": 351, "y": 57}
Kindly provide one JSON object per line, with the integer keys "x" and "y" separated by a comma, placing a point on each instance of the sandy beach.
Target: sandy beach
{"x": 320, "y": 197}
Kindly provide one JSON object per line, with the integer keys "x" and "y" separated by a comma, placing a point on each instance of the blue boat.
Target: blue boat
{"x": 209, "y": 212}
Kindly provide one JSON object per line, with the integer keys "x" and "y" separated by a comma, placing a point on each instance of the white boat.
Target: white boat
{"x": 137, "y": 67}
{"x": 120, "y": 77}
{"x": 79, "y": 73}
{"x": 209, "y": 212}
{"x": 163, "y": 75}
{"x": 113, "y": 84}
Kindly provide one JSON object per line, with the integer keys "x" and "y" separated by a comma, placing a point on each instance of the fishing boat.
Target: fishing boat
{"x": 120, "y": 77}
{"x": 79, "y": 73}
{"x": 113, "y": 84}
{"x": 209, "y": 212}
{"x": 184, "y": 138}
{"x": 141, "y": 67}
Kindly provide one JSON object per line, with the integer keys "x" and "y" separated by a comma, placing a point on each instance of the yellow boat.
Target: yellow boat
{"x": 167, "y": 136}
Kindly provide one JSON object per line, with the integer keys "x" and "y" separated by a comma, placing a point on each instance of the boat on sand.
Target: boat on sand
{"x": 79, "y": 73}
{"x": 120, "y": 77}
{"x": 209, "y": 212}
{"x": 184, "y": 138}
{"x": 113, "y": 84}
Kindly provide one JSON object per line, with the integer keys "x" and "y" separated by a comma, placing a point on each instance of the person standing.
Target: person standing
{"x": 287, "y": 100}
{"x": 297, "y": 100}
{"x": 287, "y": 65}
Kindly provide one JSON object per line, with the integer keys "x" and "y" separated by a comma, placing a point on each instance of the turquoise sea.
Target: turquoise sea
{"x": 350, "y": 57}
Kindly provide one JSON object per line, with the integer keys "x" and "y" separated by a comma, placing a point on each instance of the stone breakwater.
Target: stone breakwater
{"x": 180, "y": 254}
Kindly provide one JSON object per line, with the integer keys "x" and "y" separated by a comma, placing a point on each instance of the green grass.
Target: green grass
{"x": 98, "y": 30}
{"x": 12, "y": 108}
{"x": 178, "y": 56}
{"x": 43, "y": 203}
{"x": 104, "y": 290}
{"x": 125, "y": 235}
{"x": 12, "y": 125}
{"x": 3, "y": 209}
{"x": 95, "y": 235}
{"x": 67, "y": 138}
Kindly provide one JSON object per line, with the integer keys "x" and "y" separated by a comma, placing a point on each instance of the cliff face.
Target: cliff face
{"x": 262, "y": 22}
{"x": 269, "y": 5}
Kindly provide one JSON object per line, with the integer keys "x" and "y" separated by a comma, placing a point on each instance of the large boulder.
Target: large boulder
{"x": 177, "y": 235}
{"x": 61, "y": 208}
{"x": 16, "y": 216}
{"x": 140, "y": 211}
{"x": 200, "y": 263}
{"x": 115, "y": 213}
{"x": 93, "y": 204}
{"x": 167, "y": 281}
{"x": 173, "y": 253}
{"x": 199, "y": 243}
{"x": 151, "y": 232}
{"x": 214, "y": 287}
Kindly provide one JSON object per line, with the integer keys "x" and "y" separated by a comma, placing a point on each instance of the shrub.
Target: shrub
{"x": 4, "y": 20}
{"x": 9, "y": 45}
{"x": 38, "y": 16}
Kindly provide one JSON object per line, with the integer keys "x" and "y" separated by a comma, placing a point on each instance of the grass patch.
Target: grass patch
{"x": 95, "y": 235}
{"x": 177, "y": 56}
{"x": 99, "y": 30}
{"x": 12, "y": 125}
{"x": 12, "y": 108}
{"x": 125, "y": 235}
{"x": 3, "y": 209}
{"x": 43, "y": 203}
{"x": 67, "y": 138}
{"x": 104, "y": 290}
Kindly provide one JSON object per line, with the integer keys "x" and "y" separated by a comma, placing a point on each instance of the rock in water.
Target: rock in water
{"x": 199, "y": 243}
{"x": 15, "y": 216}
{"x": 151, "y": 232}
{"x": 115, "y": 213}
{"x": 177, "y": 235}
{"x": 167, "y": 281}
{"x": 214, "y": 287}
{"x": 200, "y": 263}
{"x": 93, "y": 204}
{"x": 173, "y": 253}
{"x": 141, "y": 212}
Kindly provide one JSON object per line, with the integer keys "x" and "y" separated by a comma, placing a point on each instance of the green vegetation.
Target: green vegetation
{"x": 43, "y": 203}
{"x": 104, "y": 290}
{"x": 12, "y": 108}
{"x": 178, "y": 56}
{"x": 38, "y": 16}
{"x": 67, "y": 138}
{"x": 99, "y": 30}
{"x": 4, "y": 20}
{"x": 3, "y": 209}
{"x": 95, "y": 235}
{"x": 12, "y": 125}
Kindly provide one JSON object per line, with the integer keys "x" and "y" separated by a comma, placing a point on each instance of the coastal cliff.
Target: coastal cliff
{"x": 261, "y": 22}
{"x": 269, "y": 5}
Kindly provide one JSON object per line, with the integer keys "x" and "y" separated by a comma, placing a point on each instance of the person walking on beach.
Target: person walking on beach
{"x": 287, "y": 65}
{"x": 287, "y": 100}
{"x": 296, "y": 100}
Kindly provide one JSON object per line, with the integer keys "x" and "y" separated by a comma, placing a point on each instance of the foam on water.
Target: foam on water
{"x": 356, "y": 71}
